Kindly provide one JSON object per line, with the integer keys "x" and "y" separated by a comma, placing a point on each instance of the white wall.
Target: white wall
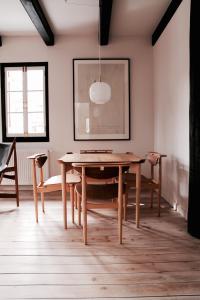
{"x": 139, "y": 50}
{"x": 171, "y": 106}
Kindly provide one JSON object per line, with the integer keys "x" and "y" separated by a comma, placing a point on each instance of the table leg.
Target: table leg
{"x": 120, "y": 192}
{"x": 138, "y": 194}
{"x": 84, "y": 206}
{"x": 64, "y": 194}
{"x": 71, "y": 188}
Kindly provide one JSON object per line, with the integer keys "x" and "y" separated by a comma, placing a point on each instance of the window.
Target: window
{"x": 24, "y": 97}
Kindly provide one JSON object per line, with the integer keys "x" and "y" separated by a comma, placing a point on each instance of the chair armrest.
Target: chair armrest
{"x": 36, "y": 155}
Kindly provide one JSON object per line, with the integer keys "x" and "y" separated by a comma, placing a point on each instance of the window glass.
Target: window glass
{"x": 14, "y": 80}
{"x": 15, "y": 123}
{"x": 35, "y": 122}
{"x": 14, "y": 102}
{"x": 35, "y": 101}
{"x": 35, "y": 80}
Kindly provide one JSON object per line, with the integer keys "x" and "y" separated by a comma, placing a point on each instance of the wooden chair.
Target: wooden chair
{"x": 153, "y": 183}
{"x": 53, "y": 183}
{"x": 92, "y": 180}
{"x": 98, "y": 195}
{"x": 6, "y": 153}
{"x": 95, "y": 181}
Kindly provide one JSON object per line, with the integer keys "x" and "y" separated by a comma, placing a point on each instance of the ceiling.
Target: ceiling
{"x": 80, "y": 17}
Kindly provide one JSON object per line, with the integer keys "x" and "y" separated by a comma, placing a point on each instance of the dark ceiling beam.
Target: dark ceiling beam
{"x": 38, "y": 18}
{"x": 105, "y": 7}
{"x": 174, "y": 4}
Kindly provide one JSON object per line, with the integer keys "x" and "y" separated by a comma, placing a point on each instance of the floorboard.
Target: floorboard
{"x": 160, "y": 260}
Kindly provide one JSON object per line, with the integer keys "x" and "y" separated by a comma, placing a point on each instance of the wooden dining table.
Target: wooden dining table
{"x": 68, "y": 160}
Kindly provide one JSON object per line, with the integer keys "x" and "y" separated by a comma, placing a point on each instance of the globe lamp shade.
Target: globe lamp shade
{"x": 100, "y": 92}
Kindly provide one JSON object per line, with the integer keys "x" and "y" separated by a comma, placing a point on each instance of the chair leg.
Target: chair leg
{"x": 159, "y": 199}
{"x": 125, "y": 205}
{"x": 151, "y": 198}
{"x": 16, "y": 175}
{"x": 35, "y": 196}
{"x": 17, "y": 189}
{"x": 79, "y": 209}
{"x": 120, "y": 221}
{"x": 71, "y": 188}
{"x": 42, "y": 200}
{"x": 75, "y": 199}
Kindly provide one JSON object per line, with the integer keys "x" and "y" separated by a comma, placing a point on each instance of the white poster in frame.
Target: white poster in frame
{"x": 108, "y": 121}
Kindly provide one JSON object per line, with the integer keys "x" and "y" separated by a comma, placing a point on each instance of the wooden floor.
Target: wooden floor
{"x": 44, "y": 261}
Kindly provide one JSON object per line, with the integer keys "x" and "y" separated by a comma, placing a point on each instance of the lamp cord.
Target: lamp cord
{"x": 99, "y": 47}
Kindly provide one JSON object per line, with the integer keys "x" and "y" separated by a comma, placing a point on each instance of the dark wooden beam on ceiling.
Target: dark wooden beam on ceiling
{"x": 38, "y": 18}
{"x": 174, "y": 4}
{"x": 105, "y": 7}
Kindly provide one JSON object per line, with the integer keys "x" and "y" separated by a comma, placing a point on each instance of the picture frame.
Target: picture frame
{"x": 108, "y": 121}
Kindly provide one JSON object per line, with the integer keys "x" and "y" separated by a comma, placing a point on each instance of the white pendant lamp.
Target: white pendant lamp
{"x": 100, "y": 91}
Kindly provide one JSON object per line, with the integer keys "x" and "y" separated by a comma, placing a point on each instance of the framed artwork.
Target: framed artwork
{"x": 108, "y": 121}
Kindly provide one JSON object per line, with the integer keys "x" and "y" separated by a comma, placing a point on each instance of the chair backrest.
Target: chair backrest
{"x": 99, "y": 173}
{"x": 96, "y": 151}
{"x": 38, "y": 160}
{"x": 102, "y": 171}
{"x": 155, "y": 160}
{"x": 4, "y": 153}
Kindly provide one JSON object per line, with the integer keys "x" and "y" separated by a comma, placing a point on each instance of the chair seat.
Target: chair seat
{"x": 100, "y": 192}
{"x": 70, "y": 179}
{"x": 146, "y": 183}
{"x": 131, "y": 177}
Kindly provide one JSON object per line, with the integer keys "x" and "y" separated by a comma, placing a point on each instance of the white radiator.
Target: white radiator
{"x": 24, "y": 166}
